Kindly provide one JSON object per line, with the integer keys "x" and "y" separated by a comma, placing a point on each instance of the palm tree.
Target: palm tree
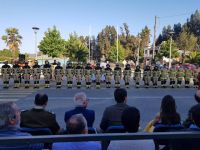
{"x": 193, "y": 57}
{"x": 12, "y": 40}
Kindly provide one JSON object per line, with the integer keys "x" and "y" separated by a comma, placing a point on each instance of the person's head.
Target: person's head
{"x": 131, "y": 119}
{"x": 69, "y": 64}
{"x": 196, "y": 114}
{"x": 36, "y": 62}
{"x": 41, "y": 100}
{"x": 128, "y": 66}
{"x": 77, "y": 124}
{"x": 120, "y": 95}
{"x": 80, "y": 99}
{"x": 46, "y": 62}
{"x": 137, "y": 67}
{"x": 26, "y": 63}
{"x": 9, "y": 115}
{"x": 117, "y": 65}
{"x": 15, "y": 62}
{"x": 197, "y": 96}
{"x": 54, "y": 61}
{"x": 5, "y": 62}
{"x": 107, "y": 66}
{"x": 168, "y": 112}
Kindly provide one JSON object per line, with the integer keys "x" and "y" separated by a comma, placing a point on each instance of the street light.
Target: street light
{"x": 35, "y": 29}
{"x": 138, "y": 52}
{"x": 170, "y": 48}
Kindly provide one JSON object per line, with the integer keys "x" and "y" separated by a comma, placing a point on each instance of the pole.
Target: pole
{"x": 35, "y": 45}
{"x": 170, "y": 52}
{"x": 154, "y": 38}
{"x": 117, "y": 46}
{"x": 138, "y": 53}
{"x": 89, "y": 43}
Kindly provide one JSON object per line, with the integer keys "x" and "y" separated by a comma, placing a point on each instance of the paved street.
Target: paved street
{"x": 60, "y": 100}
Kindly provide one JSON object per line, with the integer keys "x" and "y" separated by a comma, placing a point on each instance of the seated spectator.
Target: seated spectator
{"x": 81, "y": 103}
{"x": 112, "y": 114}
{"x": 77, "y": 124}
{"x": 166, "y": 120}
{"x": 189, "y": 144}
{"x": 131, "y": 121}
{"x": 9, "y": 123}
{"x": 38, "y": 117}
{"x": 189, "y": 121}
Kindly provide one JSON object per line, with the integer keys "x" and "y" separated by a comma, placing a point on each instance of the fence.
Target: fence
{"x": 98, "y": 137}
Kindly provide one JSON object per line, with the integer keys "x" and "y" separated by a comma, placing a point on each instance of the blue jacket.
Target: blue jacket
{"x": 13, "y": 131}
{"x": 88, "y": 114}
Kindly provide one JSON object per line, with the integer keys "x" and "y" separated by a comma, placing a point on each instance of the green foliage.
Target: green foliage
{"x": 52, "y": 44}
{"x": 165, "y": 48}
{"x": 75, "y": 49}
{"x": 193, "y": 58}
{"x": 12, "y": 40}
{"x": 113, "y": 53}
{"x": 6, "y": 54}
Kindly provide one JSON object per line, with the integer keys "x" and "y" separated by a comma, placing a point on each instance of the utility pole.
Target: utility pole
{"x": 154, "y": 38}
{"x": 35, "y": 29}
{"x": 89, "y": 43}
{"x": 117, "y": 46}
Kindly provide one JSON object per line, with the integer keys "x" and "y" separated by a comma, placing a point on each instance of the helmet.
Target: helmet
{"x": 156, "y": 68}
{"x": 128, "y": 65}
{"x": 107, "y": 65}
{"x": 117, "y": 65}
{"x": 137, "y": 67}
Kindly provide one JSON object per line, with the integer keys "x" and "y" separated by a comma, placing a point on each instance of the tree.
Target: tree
{"x": 165, "y": 48}
{"x": 105, "y": 39}
{"x": 113, "y": 53}
{"x": 75, "y": 49}
{"x": 186, "y": 42}
{"x": 6, "y": 54}
{"x": 12, "y": 40}
{"x": 52, "y": 44}
{"x": 193, "y": 58}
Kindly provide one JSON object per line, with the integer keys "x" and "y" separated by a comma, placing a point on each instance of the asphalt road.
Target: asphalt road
{"x": 60, "y": 100}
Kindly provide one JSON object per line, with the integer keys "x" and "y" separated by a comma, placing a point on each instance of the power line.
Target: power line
{"x": 176, "y": 15}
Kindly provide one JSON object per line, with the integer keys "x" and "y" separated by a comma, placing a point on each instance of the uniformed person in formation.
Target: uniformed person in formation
{"x": 88, "y": 75}
{"x": 117, "y": 75}
{"x": 108, "y": 75}
{"x": 16, "y": 73}
{"x": 36, "y": 72}
{"x": 195, "y": 78}
{"x": 98, "y": 74}
{"x": 69, "y": 74}
{"x": 172, "y": 76}
{"x": 53, "y": 66}
{"x": 180, "y": 76}
{"x": 47, "y": 72}
{"x": 137, "y": 76}
{"x": 78, "y": 74}
{"x": 188, "y": 77}
{"x": 127, "y": 74}
{"x": 6, "y": 72}
{"x": 155, "y": 76}
{"x": 58, "y": 75}
{"x": 26, "y": 73}
{"x": 164, "y": 76}
{"x": 147, "y": 76}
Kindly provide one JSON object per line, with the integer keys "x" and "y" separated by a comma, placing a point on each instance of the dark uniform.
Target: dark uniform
{"x": 47, "y": 72}
{"x": 98, "y": 74}
{"x": 88, "y": 75}
{"x": 58, "y": 75}
{"x": 172, "y": 76}
{"x": 39, "y": 118}
{"x": 78, "y": 73}
{"x": 36, "y": 72}
{"x": 16, "y": 72}
{"x": 127, "y": 75}
{"x": 6, "y": 72}
{"x": 117, "y": 75}
{"x": 26, "y": 72}
{"x": 69, "y": 74}
{"x": 108, "y": 74}
{"x": 137, "y": 76}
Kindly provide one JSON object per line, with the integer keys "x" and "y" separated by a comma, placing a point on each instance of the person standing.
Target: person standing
{"x": 26, "y": 73}
{"x": 127, "y": 74}
{"x": 88, "y": 75}
{"x": 172, "y": 76}
{"x": 147, "y": 76}
{"x": 47, "y": 72}
{"x": 180, "y": 76}
{"x": 36, "y": 72}
{"x": 58, "y": 75}
{"x": 137, "y": 76}
{"x": 6, "y": 72}
{"x": 155, "y": 76}
{"x": 108, "y": 74}
{"x": 98, "y": 74}
{"x": 69, "y": 74}
{"x": 164, "y": 76}
{"x": 16, "y": 74}
{"x": 117, "y": 75}
{"x": 79, "y": 74}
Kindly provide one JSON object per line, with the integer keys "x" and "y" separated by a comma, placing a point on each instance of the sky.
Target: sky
{"x": 83, "y": 16}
